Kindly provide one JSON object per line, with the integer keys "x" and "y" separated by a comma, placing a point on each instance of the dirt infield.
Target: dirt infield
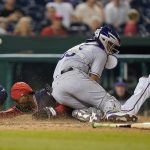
{"x": 22, "y": 133}
{"x": 25, "y": 122}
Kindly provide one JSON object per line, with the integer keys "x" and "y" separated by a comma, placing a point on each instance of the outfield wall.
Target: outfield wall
{"x": 14, "y": 44}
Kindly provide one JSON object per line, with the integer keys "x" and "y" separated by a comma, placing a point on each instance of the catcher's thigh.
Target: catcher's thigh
{"x": 77, "y": 90}
{"x": 66, "y": 99}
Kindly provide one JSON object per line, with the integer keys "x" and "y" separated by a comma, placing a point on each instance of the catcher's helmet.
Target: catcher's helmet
{"x": 108, "y": 37}
{"x": 20, "y": 89}
{"x": 3, "y": 95}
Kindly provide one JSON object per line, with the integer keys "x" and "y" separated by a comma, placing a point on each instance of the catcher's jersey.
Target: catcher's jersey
{"x": 87, "y": 57}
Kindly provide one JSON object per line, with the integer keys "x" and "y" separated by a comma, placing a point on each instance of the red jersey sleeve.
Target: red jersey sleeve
{"x": 61, "y": 109}
{"x": 11, "y": 112}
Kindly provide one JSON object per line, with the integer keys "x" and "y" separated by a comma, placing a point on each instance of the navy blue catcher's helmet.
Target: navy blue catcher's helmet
{"x": 3, "y": 95}
{"x": 108, "y": 37}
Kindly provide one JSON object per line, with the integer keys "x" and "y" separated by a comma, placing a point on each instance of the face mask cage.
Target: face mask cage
{"x": 112, "y": 48}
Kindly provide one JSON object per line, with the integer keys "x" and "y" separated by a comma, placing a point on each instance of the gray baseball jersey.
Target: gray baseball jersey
{"x": 87, "y": 57}
{"x": 75, "y": 88}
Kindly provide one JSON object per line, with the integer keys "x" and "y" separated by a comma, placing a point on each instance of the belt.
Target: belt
{"x": 66, "y": 70}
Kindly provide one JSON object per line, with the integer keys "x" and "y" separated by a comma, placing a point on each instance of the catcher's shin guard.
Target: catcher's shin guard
{"x": 87, "y": 115}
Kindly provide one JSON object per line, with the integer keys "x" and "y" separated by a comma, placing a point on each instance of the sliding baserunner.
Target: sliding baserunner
{"x": 39, "y": 103}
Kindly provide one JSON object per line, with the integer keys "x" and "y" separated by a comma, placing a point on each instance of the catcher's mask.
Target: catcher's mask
{"x": 109, "y": 38}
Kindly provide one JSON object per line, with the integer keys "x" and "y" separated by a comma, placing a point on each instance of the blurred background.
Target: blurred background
{"x": 35, "y": 33}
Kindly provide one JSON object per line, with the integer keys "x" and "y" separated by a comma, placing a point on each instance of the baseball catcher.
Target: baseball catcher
{"x": 77, "y": 75}
{"x": 40, "y": 103}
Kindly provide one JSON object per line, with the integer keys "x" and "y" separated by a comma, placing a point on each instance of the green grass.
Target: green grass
{"x": 75, "y": 140}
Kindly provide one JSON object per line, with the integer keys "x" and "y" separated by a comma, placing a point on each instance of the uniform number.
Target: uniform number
{"x": 71, "y": 52}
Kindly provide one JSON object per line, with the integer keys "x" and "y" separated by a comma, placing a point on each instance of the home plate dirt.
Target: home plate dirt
{"x": 25, "y": 122}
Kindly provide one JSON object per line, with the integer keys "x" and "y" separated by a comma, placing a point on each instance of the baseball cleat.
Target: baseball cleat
{"x": 121, "y": 117}
{"x": 87, "y": 115}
